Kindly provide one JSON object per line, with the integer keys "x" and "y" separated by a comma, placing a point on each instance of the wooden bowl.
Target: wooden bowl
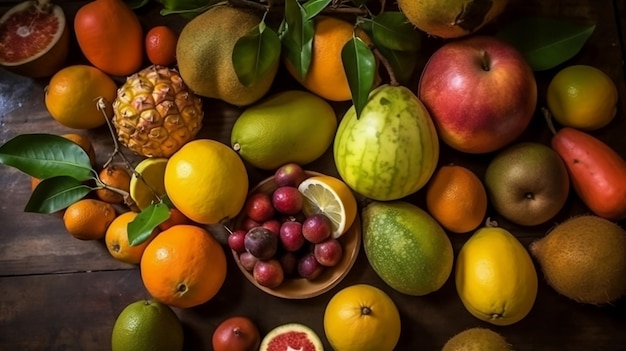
{"x": 301, "y": 288}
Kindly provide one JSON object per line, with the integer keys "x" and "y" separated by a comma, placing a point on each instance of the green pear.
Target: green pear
{"x": 527, "y": 183}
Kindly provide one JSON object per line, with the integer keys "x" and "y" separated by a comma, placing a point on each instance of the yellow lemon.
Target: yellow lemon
{"x": 207, "y": 181}
{"x": 362, "y": 317}
{"x": 332, "y": 197}
{"x": 147, "y": 182}
{"x": 495, "y": 277}
{"x": 582, "y": 97}
{"x": 72, "y": 95}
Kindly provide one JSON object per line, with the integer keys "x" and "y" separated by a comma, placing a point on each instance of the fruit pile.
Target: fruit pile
{"x": 285, "y": 233}
{"x": 476, "y": 95}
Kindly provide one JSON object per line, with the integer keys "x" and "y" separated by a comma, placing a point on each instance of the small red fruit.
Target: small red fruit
{"x": 161, "y": 45}
{"x": 236, "y": 334}
{"x": 316, "y": 228}
{"x": 290, "y": 174}
{"x": 236, "y": 240}
{"x": 287, "y": 200}
{"x": 259, "y": 207}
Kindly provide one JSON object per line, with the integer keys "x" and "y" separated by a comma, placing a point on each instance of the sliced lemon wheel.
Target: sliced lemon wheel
{"x": 332, "y": 197}
{"x": 145, "y": 189}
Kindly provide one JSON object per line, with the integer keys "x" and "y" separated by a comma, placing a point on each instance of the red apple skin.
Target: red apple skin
{"x": 481, "y": 93}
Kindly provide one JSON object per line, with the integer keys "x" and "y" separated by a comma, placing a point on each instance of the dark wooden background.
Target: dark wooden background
{"x": 60, "y": 293}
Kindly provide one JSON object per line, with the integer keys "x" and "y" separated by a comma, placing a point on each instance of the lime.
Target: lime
{"x": 582, "y": 97}
{"x": 145, "y": 189}
{"x": 331, "y": 197}
{"x": 147, "y": 325}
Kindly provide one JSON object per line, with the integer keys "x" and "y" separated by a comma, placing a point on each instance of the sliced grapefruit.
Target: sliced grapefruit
{"x": 34, "y": 38}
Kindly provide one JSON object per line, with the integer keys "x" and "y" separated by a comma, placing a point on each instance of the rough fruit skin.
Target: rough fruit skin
{"x": 495, "y": 277}
{"x": 23, "y": 58}
{"x": 451, "y": 19}
{"x": 406, "y": 247}
{"x": 391, "y": 150}
{"x": 155, "y": 112}
{"x": 291, "y": 336}
{"x": 584, "y": 258}
{"x": 477, "y": 339}
{"x": 290, "y": 126}
{"x": 205, "y": 59}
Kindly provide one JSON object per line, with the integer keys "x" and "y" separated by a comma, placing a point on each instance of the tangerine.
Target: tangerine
{"x": 88, "y": 219}
{"x": 161, "y": 45}
{"x": 456, "y": 198}
{"x": 117, "y": 242}
{"x": 326, "y": 76}
{"x": 117, "y": 177}
{"x": 183, "y": 266}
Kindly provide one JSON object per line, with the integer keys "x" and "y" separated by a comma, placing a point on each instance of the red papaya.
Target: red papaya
{"x": 597, "y": 171}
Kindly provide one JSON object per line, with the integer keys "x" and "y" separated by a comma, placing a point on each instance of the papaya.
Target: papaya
{"x": 596, "y": 170}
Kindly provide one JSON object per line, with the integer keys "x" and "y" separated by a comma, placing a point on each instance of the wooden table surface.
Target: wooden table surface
{"x": 60, "y": 293}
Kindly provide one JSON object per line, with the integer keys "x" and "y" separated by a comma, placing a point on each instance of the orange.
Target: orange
{"x": 116, "y": 239}
{"x": 72, "y": 94}
{"x": 117, "y": 177}
{"x": 326, "y": 76}
{"x": 161, "y": 45}
{"x": 88, "y": 219}
{"x": 84, "y": 142}
{"x": 183, "y": 266}
{"x": 582, "y": 97}
{"x": 457, "y": 198}
{"x": 176, "y": 217}
{"x": 362, "y": 317}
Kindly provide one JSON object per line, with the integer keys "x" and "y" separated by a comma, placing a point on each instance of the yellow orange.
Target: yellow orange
{"x": 88, "y": 219}
{"x": 117, "y": 242}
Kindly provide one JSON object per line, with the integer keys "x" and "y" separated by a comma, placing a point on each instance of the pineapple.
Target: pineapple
{"x": 155, "y": 112}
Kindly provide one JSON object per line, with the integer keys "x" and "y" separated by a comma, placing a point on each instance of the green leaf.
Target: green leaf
{"x": 391, "y": 30}
{"x": 545, "y": 42}
{"x": 313, "y": 7}
{"x": 255, "y": 54}
{"x": 46, "y": 155}
{"x": 403, "y": 63}
{"x": 140, "y": 228}
{"x": 298, "y": 37}
{"x": 56, "y": 193}
{"x": 359, "y": 63}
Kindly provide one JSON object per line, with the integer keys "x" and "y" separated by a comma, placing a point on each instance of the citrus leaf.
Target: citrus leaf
{"x": 56, "y": 193}
{"x": 46, "y": 155}
{"x": 403, "y": 63}
{"x": 255, "y": 54}
{"x": 313, "y": 7}
{"x": 546, "y": 42}
{"x": 140, "y": 228}
{"x": 298, "y": 37}
{"x": 391, "y": 30}
{"x": 359, "y": 63}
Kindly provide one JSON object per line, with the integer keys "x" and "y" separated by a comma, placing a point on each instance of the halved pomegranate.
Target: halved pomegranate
{"x": 34, "y": 38}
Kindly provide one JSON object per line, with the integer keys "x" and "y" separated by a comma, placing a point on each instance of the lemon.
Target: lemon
{"x": 582, "y": 97}
{"x": 331, "y": 197}
{"x": 150, "y": 184}
{"x": 207, "y": 181}
{"x": 147, "y": 325}
{"x": 362, "y": 317}
{"x": 495, "y": 277}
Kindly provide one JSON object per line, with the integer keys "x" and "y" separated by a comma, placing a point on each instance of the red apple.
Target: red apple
{"x": 480, "y": 92}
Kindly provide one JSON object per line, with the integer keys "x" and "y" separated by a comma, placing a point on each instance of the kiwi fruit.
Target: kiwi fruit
{"x": 584, "y": 258}
{"x": 477, "y": 339}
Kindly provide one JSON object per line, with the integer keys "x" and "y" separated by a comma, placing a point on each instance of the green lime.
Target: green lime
{"x": 147, "y": 325}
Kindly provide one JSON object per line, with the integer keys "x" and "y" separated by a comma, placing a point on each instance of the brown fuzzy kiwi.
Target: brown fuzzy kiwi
{"x": 477, "y": 339}
{"x": 584, "y": 258}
